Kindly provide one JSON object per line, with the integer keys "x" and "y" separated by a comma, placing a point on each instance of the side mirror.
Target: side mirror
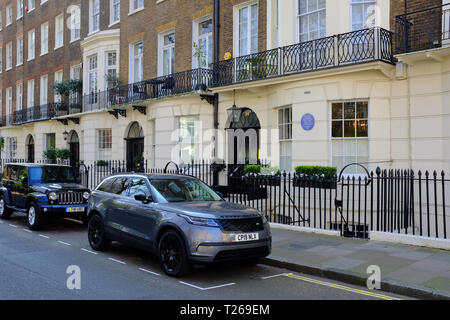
{"x": 143, "y": 198}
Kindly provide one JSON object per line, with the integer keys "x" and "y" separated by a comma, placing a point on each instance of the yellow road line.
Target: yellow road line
{"x": 340, "y": 287}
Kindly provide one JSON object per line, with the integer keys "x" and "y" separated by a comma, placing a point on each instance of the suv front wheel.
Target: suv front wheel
{"x": 35, "y": 218}
{"x": 5, "y": 212}
{"x": 172, "y": 254}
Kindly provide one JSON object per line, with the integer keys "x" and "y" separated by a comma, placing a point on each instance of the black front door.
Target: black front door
{"x": 30, "y": 153}
{"x": 135, "y": 154}
{"x": 74, "y": 153}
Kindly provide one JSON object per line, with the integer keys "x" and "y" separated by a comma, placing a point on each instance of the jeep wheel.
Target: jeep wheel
{"x": 35, "y": 219}
{"x": 5, "y": 212}
{"x": 172, "y": 254}
{"x": 96, "y": 234}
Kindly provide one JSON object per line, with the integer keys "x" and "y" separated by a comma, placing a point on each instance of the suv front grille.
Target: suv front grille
{"x": 70, "y": 198}
{"x": 242, "y": 225}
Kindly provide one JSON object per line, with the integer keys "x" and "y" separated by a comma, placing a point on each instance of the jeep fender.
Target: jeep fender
{"x": 5, "y": 193}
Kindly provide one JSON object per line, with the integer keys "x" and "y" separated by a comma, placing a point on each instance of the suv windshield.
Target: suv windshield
{"x": 51, "y": 174}
{"x": 180, "y": 190}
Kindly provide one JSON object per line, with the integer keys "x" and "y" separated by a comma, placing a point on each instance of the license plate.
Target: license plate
{"x": 75, "y": 209}
{"x": 246, "y": 237}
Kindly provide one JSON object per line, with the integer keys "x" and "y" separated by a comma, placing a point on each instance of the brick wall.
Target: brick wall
{"x": 426, "y": 28}
{"x": 179, "y": 15}
{"x": 65, "y": 56}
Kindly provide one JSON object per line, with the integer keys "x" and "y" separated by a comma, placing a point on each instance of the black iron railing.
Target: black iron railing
{"x": 423, "y": 29}
{"x": 36, "y": 113}
{"x": 360, "y": 46}
{"x": 165, "y": 86}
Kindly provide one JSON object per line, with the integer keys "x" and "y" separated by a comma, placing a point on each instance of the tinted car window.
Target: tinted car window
{"x": 138, "y": 186}
{"x": 106, "y": 185}
{"x": 179, "y": 190}
{"x": 120, "y": 186}
{"x": 6, "y": 172}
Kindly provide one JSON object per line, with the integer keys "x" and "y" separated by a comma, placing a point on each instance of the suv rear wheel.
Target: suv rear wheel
{"x": 172, "y": 254}
{"x": 96, "y": 234}
{"x": 35, "y": 219}
{"x": 5, "y": 212}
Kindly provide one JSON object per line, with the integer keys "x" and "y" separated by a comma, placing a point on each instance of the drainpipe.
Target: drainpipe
{"x": 216, "y": 95}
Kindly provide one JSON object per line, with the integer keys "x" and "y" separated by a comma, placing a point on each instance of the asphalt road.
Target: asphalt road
{"x": 33, "y": 265}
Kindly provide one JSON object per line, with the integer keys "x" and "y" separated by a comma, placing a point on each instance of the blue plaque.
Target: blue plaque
{"x": 308, "y": 122}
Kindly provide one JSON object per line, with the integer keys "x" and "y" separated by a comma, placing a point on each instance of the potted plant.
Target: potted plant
{"x": 315, "y": 177}
{"x": 62, "y": 89}
{"x": 53, "y": 154}
{"x": 199, "y": 54}
{"x": 76, "y": 88}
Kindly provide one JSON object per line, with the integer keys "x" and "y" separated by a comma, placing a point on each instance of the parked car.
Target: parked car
{"x": 179, "y": 218}
{"x": 42, "y": 191}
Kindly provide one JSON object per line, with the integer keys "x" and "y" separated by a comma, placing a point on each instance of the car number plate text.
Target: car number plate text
{"x": 75, "y": 209}
{"x": 246, "y": 237}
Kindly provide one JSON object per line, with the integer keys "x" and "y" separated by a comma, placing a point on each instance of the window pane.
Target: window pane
{"x": 337, "y": 147}
{"x": 336, "y": 130}
{"x": 362, "y": 110}
{"x": 362, "y": 128}
{"x": 349, "y": 110}
{"x": 349, "y": 129}
{"x": 336, "y": 111}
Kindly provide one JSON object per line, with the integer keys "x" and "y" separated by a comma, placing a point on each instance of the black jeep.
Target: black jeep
{"x": 42, "y": 191}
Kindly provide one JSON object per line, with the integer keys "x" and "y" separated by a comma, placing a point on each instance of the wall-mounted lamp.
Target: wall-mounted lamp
{"x": 65, "y": 135}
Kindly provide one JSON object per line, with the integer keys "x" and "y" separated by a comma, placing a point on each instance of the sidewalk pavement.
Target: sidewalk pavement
{"x": 408, "y": 270}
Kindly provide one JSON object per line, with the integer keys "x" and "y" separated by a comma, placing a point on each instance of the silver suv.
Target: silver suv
{"x": 179, "y": 218}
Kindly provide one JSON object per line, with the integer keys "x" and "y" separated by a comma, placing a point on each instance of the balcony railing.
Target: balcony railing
{"x": 360, "y": 46}
{"x": 423, "y": 29}
{"x": 36, "y": 113}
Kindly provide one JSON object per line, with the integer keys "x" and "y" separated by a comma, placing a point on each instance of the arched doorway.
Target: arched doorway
{"x": 74, "y": 147}
{"x": 243, "y": 138}
{"x": 30, "y": 148}
{"x": 135, "y": 147}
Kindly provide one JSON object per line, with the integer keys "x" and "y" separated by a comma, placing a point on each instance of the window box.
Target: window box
{"x": 315, "y": 177}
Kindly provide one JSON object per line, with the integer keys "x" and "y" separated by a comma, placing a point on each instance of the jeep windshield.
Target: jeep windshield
{"x": 181, "y": 190}
{"x": 49, "y": 174}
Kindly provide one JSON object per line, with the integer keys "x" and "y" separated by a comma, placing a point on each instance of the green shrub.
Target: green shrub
{"x": 316, "y": 171}
{"x": 102, "y": 163}
{"x": 252, "y": 169}
{"x": 51, "y": 154}
{"x": 63, "y": 154}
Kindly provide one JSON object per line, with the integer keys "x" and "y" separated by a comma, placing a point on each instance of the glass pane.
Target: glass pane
{"x": 363, "y": 148}
{"x": 337, "y": 147}
{"x": 303, "y": 6}
{"x": 349, "y": 147}
{"x": 312, "y": 5}
{"x": 280, "y": 116}
{"x": 322, "y": 4}
{"x": 336, "y": 130}
{"x": 349, "y": 110}
{"x": 362, "y": 110}
{"x": 362, "y": 128}
{"x": 336, "y": 111}
{"x": 349, "y": 129}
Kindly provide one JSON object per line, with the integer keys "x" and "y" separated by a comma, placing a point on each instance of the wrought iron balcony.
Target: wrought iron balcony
{"x": 423, "y": 29}
{"x": 165, "y": 86}
{"x": 365, "y": 45}
{"x": 36, "y": 113}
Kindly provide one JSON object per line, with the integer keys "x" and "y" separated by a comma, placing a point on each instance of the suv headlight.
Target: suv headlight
{"x": 86, "y": 195}
{"x": 200, "y": 221}
{"x": 52, "y": 196}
